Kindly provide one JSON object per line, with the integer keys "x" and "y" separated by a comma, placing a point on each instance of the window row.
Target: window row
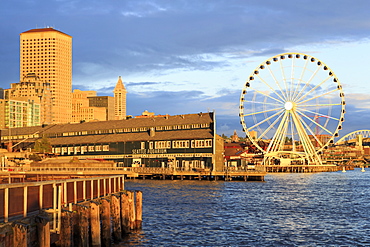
{"x": 81, "y": 149}
{"x": 126, "y": 130}
{"x": 207, "y": 143}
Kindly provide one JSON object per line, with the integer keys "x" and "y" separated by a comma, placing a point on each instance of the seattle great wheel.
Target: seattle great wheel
{"x": 292, "y": 103}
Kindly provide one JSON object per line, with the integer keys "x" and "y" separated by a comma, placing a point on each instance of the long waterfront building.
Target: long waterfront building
{"x": 182, "y": 141}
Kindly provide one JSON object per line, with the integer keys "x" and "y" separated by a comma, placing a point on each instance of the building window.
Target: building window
{"x": 162, "y": 144}
{"x": 202, "y": 143}
{"x": 180, "y": 144}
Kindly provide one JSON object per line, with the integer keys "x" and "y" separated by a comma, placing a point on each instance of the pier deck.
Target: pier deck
{"x": 19, "y": 174}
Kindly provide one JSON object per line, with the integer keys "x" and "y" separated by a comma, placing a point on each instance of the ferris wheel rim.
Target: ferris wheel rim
{"x": 292, "y": 96}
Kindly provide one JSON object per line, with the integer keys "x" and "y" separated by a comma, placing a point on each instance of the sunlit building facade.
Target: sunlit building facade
{"x": 47, "y": 53}
{"x": 32, "y": 88}
{"x": 81, "y": 109}
{"x": 120, "y": 100}
{"x": 15, "y": 113}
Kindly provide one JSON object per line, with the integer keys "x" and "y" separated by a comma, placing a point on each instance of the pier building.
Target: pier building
{"x": 182, "y": 142}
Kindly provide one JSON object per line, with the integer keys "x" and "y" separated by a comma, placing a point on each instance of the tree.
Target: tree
{"x": 43, "y": 145}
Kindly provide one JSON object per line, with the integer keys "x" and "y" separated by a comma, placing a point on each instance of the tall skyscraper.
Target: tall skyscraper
{"x": 120, "y": 100}
{"x": 47, "y": 52}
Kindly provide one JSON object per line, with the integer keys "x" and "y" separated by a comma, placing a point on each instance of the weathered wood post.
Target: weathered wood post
{"x": 65, "y": 238}
{"x": 81, "y": 235}
{"x": 20, "y": 234}
{"x": 105, "y": 222}
{"x": 6, "y": 235}
{"x": 124, "y": 213}
{"x": 131, "y": 209}
{"x": 43, "y": 230}
{"x": 95, "y": 224}
{"x": 139, "y": 209}
{"x": 116, "y": 218}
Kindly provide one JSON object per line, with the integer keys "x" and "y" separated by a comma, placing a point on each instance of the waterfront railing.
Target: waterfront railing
{"x": 25, "y": 199}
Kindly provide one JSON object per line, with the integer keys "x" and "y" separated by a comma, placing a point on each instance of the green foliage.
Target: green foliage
{"x": 43, "y": 145}
{"x": 35, "y": 157}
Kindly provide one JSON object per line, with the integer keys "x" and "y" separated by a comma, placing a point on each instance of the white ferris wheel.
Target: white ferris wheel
{"x": 292, "y": 103}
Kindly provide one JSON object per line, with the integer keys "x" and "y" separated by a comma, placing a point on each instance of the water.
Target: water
{"x": 320, "y": 209}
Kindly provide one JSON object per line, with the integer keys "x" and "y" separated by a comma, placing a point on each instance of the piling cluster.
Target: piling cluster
{"x": 99, "y": 222}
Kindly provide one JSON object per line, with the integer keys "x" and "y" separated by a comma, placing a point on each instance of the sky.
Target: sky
{"x": 189, "y": 56}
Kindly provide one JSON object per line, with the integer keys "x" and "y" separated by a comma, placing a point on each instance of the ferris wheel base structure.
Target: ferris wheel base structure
{"x": 304, "y": 168}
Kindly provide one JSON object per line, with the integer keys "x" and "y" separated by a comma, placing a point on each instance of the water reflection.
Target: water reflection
{"x": 322, "y": 209}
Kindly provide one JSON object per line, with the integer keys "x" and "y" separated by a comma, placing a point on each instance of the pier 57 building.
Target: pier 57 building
{"x": 182, "y": 142}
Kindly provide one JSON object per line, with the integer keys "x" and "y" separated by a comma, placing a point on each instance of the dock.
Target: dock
{"x": 305, "y": 168}
{"x": 71, "y": 212}
{"x": 19, "y": 174}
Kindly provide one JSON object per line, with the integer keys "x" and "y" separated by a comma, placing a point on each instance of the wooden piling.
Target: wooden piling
{"x": 138, "y": 209}
{"x": 116, "y": 218}
{"x": 81, "y": 235}
{"x": 105, "y": 222}
{"x": 125, "y": 213}
{"x": 43, "y": 230}
{"x": 65, "y": 238}
{"x": 95, "y": 224}
{"x": 20, "y": 238}
{"x": 6, "y": 235}
{"x": 131, "y": 209}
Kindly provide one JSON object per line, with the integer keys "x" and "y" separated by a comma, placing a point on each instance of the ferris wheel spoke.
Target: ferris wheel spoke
{"x": 315, "y": 123}
{"x": 262, "y": 103}
{"x": 307, "y": 83}
{"x": 305, "y": 140}
{"x": 292, "y": 79}
{"x": 317, "y": 96}
{"x": 268, "y": 95}
{"x": 314, "y": 88}
{"x": 272, "y": 89}
{"x": 312, "y": 133}
{"x": 317, "y": 114}
{"x": 320, "y": 105}
{"x": 292, "y": 133}
{"x": 275, "y": 141}
{"x": 296, "y": 90}
{"x": 284, "y": 80}
{"x": 263, "y": 134}
{"x": 266, "y": 119}
{"x": 277, "y": 83}
{"x": 260, "y": 112}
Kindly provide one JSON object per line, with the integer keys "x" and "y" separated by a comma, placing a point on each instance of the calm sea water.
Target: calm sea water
{"x": 320, "y": 209}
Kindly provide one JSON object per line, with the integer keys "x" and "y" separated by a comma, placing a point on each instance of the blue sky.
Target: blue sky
{"x": 179, "y": 56}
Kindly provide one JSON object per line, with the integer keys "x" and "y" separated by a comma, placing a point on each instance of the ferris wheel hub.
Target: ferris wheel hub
{"x": 288, "y": 105}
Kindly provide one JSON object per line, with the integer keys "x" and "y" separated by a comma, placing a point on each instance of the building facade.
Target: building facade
{"x": 86, "y": 106}
{"x": 47, "y": 53}
{"x": 15, "y": 113}
{"x": 32, "y": 88}
{"x": 120, "y": 100}
{"x": 106, "y": 102}
{"x": 182, "y": 142}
